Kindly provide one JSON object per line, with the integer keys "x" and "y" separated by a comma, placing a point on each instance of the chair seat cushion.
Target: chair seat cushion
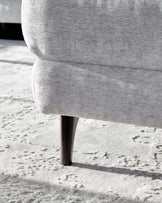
{"x": 125, "y": 33}
{"x": 123, "y": 95}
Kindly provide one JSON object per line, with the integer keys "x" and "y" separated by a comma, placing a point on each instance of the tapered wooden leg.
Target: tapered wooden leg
{"x": 68, "y": 128}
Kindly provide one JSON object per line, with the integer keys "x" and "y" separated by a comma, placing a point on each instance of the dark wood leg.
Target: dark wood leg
{"x": 68, "y": 128}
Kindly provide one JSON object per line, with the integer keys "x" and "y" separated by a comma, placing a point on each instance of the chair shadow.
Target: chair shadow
{"x": 21, "y": 188}
{"x": 118, "y": 170}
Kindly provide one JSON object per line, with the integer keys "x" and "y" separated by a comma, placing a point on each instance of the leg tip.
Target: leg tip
{"x": 66, "y": 163}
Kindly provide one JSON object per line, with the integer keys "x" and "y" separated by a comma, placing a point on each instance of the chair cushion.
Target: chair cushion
{"x": 125, "y": 33}
{"x": 123, "y": 95}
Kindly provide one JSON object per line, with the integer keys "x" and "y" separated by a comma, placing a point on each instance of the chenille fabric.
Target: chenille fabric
{"x": 97, "y": 59}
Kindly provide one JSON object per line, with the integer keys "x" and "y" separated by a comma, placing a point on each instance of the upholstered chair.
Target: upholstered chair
{"x": 99, "y": 59}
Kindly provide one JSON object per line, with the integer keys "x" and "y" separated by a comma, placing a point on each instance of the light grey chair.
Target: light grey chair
{"x": 99, "y": 59}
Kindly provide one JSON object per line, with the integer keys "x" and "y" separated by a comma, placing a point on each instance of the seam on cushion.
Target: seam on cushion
{"x": 95, "y": 64}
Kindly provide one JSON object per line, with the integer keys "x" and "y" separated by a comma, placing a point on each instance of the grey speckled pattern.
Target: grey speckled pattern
{"x": 99, "y": 92}
{"x": 125, "y": 33}
{"x": 98, "y": 59}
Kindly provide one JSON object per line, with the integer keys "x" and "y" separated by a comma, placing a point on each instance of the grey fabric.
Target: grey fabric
{"x": 125, "y": 33}
{"x": 99, "y": 92}
{"x": 98, "y": 59}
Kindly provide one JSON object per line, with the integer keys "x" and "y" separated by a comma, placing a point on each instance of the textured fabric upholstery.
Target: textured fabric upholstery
{"x": 97, "y": 59}
{"x": 125, "y": 33}
{"x": 99, "y": 92}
